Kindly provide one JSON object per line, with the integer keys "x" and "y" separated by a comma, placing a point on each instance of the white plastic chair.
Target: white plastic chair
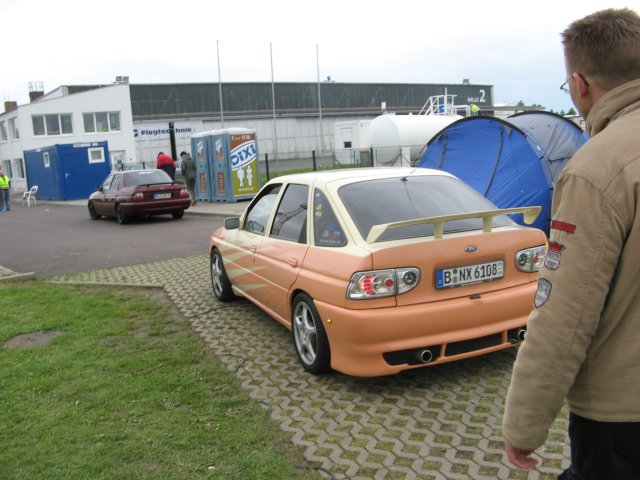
{"x": 30, "y": 196}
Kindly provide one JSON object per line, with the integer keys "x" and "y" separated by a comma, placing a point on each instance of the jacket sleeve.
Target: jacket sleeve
{"x": 585, "y": 242}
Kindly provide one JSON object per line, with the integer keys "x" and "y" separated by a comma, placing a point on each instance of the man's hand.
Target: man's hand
{"x": 520, "y": 458}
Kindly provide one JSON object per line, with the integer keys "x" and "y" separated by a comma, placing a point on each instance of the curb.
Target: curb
{"x": 209, "y": 212}
{"x": 15, "y": 276}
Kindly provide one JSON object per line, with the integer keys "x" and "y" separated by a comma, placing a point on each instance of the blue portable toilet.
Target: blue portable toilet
{"x": 67, "y": 171}
{"x": 226, "y": 164}
{"x": 513, "y": 162}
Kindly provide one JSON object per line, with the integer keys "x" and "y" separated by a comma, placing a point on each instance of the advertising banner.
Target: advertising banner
{"x": 244, "y": 164}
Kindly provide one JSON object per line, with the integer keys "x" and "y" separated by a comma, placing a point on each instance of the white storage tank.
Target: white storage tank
{"x": 397, "y": 140}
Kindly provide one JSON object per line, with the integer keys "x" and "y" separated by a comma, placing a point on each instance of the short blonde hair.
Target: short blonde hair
{"x": 606, "y": 46}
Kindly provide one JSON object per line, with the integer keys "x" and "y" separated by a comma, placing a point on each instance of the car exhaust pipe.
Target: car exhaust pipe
{"x": 521, "y": 333}
{"x": 424, "y": 355}
{"x": 517, "y": 335}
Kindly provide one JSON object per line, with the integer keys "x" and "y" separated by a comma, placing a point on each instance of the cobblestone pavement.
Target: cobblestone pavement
{"x": 440, "y": 422}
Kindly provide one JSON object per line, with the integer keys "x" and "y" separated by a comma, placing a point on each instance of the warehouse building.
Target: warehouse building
{"x": 291, "y": 120}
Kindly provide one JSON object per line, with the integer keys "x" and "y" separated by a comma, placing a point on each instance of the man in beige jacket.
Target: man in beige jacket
{"x": 583, "y": 340}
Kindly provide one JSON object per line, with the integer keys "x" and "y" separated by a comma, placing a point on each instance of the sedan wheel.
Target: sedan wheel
{"x": 177, "y": 214}
{"x": 219, "y": 280}
{"x": 309, "y": 336}
{"x": 120, "y": 216}
{"x": 92, "y": 212}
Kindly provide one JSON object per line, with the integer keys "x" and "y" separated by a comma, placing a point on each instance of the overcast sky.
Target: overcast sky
{"x": 512, "y": 45}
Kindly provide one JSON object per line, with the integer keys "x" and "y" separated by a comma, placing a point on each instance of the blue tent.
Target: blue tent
{"x": 513, "y": 162}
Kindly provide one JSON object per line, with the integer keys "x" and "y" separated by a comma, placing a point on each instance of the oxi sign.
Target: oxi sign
{"x": 244, "y": 164}
{"x": 243, "y": 154}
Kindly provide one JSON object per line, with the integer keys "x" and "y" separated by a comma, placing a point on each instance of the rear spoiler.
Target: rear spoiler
{"x": 529, "y": 213}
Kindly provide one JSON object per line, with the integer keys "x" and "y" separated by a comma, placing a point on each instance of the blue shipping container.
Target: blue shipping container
{"x": 67, "y": 171}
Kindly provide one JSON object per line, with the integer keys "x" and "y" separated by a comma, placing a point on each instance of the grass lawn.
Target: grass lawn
{"x": 125, "y": 390}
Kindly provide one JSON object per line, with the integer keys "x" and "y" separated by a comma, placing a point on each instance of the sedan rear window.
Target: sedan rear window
{"x": 396, "y": 199}
{"x": 146, "y": 177}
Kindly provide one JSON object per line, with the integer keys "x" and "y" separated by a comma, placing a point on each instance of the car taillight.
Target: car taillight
{"x": 382, "y": 283}
{"x": 138, "y": 196}
{"x": 530, "y": 259}
{"x": 184, "y": 193}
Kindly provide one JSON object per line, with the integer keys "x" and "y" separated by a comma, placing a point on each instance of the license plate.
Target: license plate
{"x": 469, "y": 274}
{"x": 160, "y": 196}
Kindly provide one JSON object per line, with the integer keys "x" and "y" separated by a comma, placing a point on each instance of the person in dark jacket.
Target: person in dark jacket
{"x": 166, "y": 163}
{"x": 189, "y": 171}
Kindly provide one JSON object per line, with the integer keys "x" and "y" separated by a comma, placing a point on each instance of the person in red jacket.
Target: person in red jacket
{"x": 166, "y": 163}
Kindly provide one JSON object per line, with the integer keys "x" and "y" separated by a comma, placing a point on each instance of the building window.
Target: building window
{"x": 14, "y": 129}
{"x": 118, "y": 157}
{"x": 19, "y": 167}
{"x": 114, "y": 122}
{"x": 52, "y": 124}
{"x": 3, "y": 131}
{"x": 7, "y": 168}
{"x": 38, "y": 126}
{"x": 65, "y": 122}
{"x": 100, "y": 122}
{"x": 96, "y": 155}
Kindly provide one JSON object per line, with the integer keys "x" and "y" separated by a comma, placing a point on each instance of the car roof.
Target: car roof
{"x": 351, "y": 175}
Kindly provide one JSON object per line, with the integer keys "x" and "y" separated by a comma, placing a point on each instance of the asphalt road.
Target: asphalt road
{"x": 51, "y": 239}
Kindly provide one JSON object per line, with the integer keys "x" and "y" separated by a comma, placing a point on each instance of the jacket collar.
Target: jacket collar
{"x": 612, "y": 104}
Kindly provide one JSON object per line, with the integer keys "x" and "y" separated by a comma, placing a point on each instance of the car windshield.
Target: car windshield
{"x": 146, "y": 177}
{"x": 390, "y": 200}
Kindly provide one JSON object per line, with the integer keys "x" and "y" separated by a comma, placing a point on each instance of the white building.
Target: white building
{"x": 134, "y": 119}
{"x": 62, "y": 118}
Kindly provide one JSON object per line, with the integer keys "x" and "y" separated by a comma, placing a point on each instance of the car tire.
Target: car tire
{"x": 219, "y": 279}
{"x": 177, "y": 214}
{"x": 309, "y": 336}
{"x": 92, "y": 212}
{"x": 120, "y": 216}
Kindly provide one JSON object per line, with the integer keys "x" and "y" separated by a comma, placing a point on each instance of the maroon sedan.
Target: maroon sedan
{"x": 138, "y": 193}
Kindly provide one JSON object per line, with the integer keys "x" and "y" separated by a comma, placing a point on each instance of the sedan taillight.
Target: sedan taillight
{"x": 138, "y": 196}
{"x": 184, "y": 193}
{"x": 382, "y": 283}
{"x": 530, "y": 259}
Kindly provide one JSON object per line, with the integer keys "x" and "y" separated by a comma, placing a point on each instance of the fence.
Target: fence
{"x": 270, "y": 166}
{"x": 400, "y": 156}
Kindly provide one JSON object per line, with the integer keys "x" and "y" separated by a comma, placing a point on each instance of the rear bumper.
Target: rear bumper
{"x": 360, "y": 339}
{"x": 156, "y": 207}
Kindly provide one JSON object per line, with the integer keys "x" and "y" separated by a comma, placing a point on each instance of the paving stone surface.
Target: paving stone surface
{"x": 438, "y": 422}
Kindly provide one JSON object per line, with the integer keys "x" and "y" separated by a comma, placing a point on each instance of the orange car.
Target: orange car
{"x": 381, "y": 270}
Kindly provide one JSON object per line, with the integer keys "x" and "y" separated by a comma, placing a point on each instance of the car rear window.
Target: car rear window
{"x": 389, "y": 200}
{"x": 146, "y": 177}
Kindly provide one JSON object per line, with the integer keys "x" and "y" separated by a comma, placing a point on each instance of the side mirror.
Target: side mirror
{"x": 232, "y": 223}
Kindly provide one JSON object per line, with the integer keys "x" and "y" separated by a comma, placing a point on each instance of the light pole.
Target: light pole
{"x": 220, "y": 84}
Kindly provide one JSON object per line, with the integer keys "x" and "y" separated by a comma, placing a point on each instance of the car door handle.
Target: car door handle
{"x": 293, "y": 262}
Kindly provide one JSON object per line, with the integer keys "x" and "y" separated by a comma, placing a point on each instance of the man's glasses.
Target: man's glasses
{"x": 565, "y": 86}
